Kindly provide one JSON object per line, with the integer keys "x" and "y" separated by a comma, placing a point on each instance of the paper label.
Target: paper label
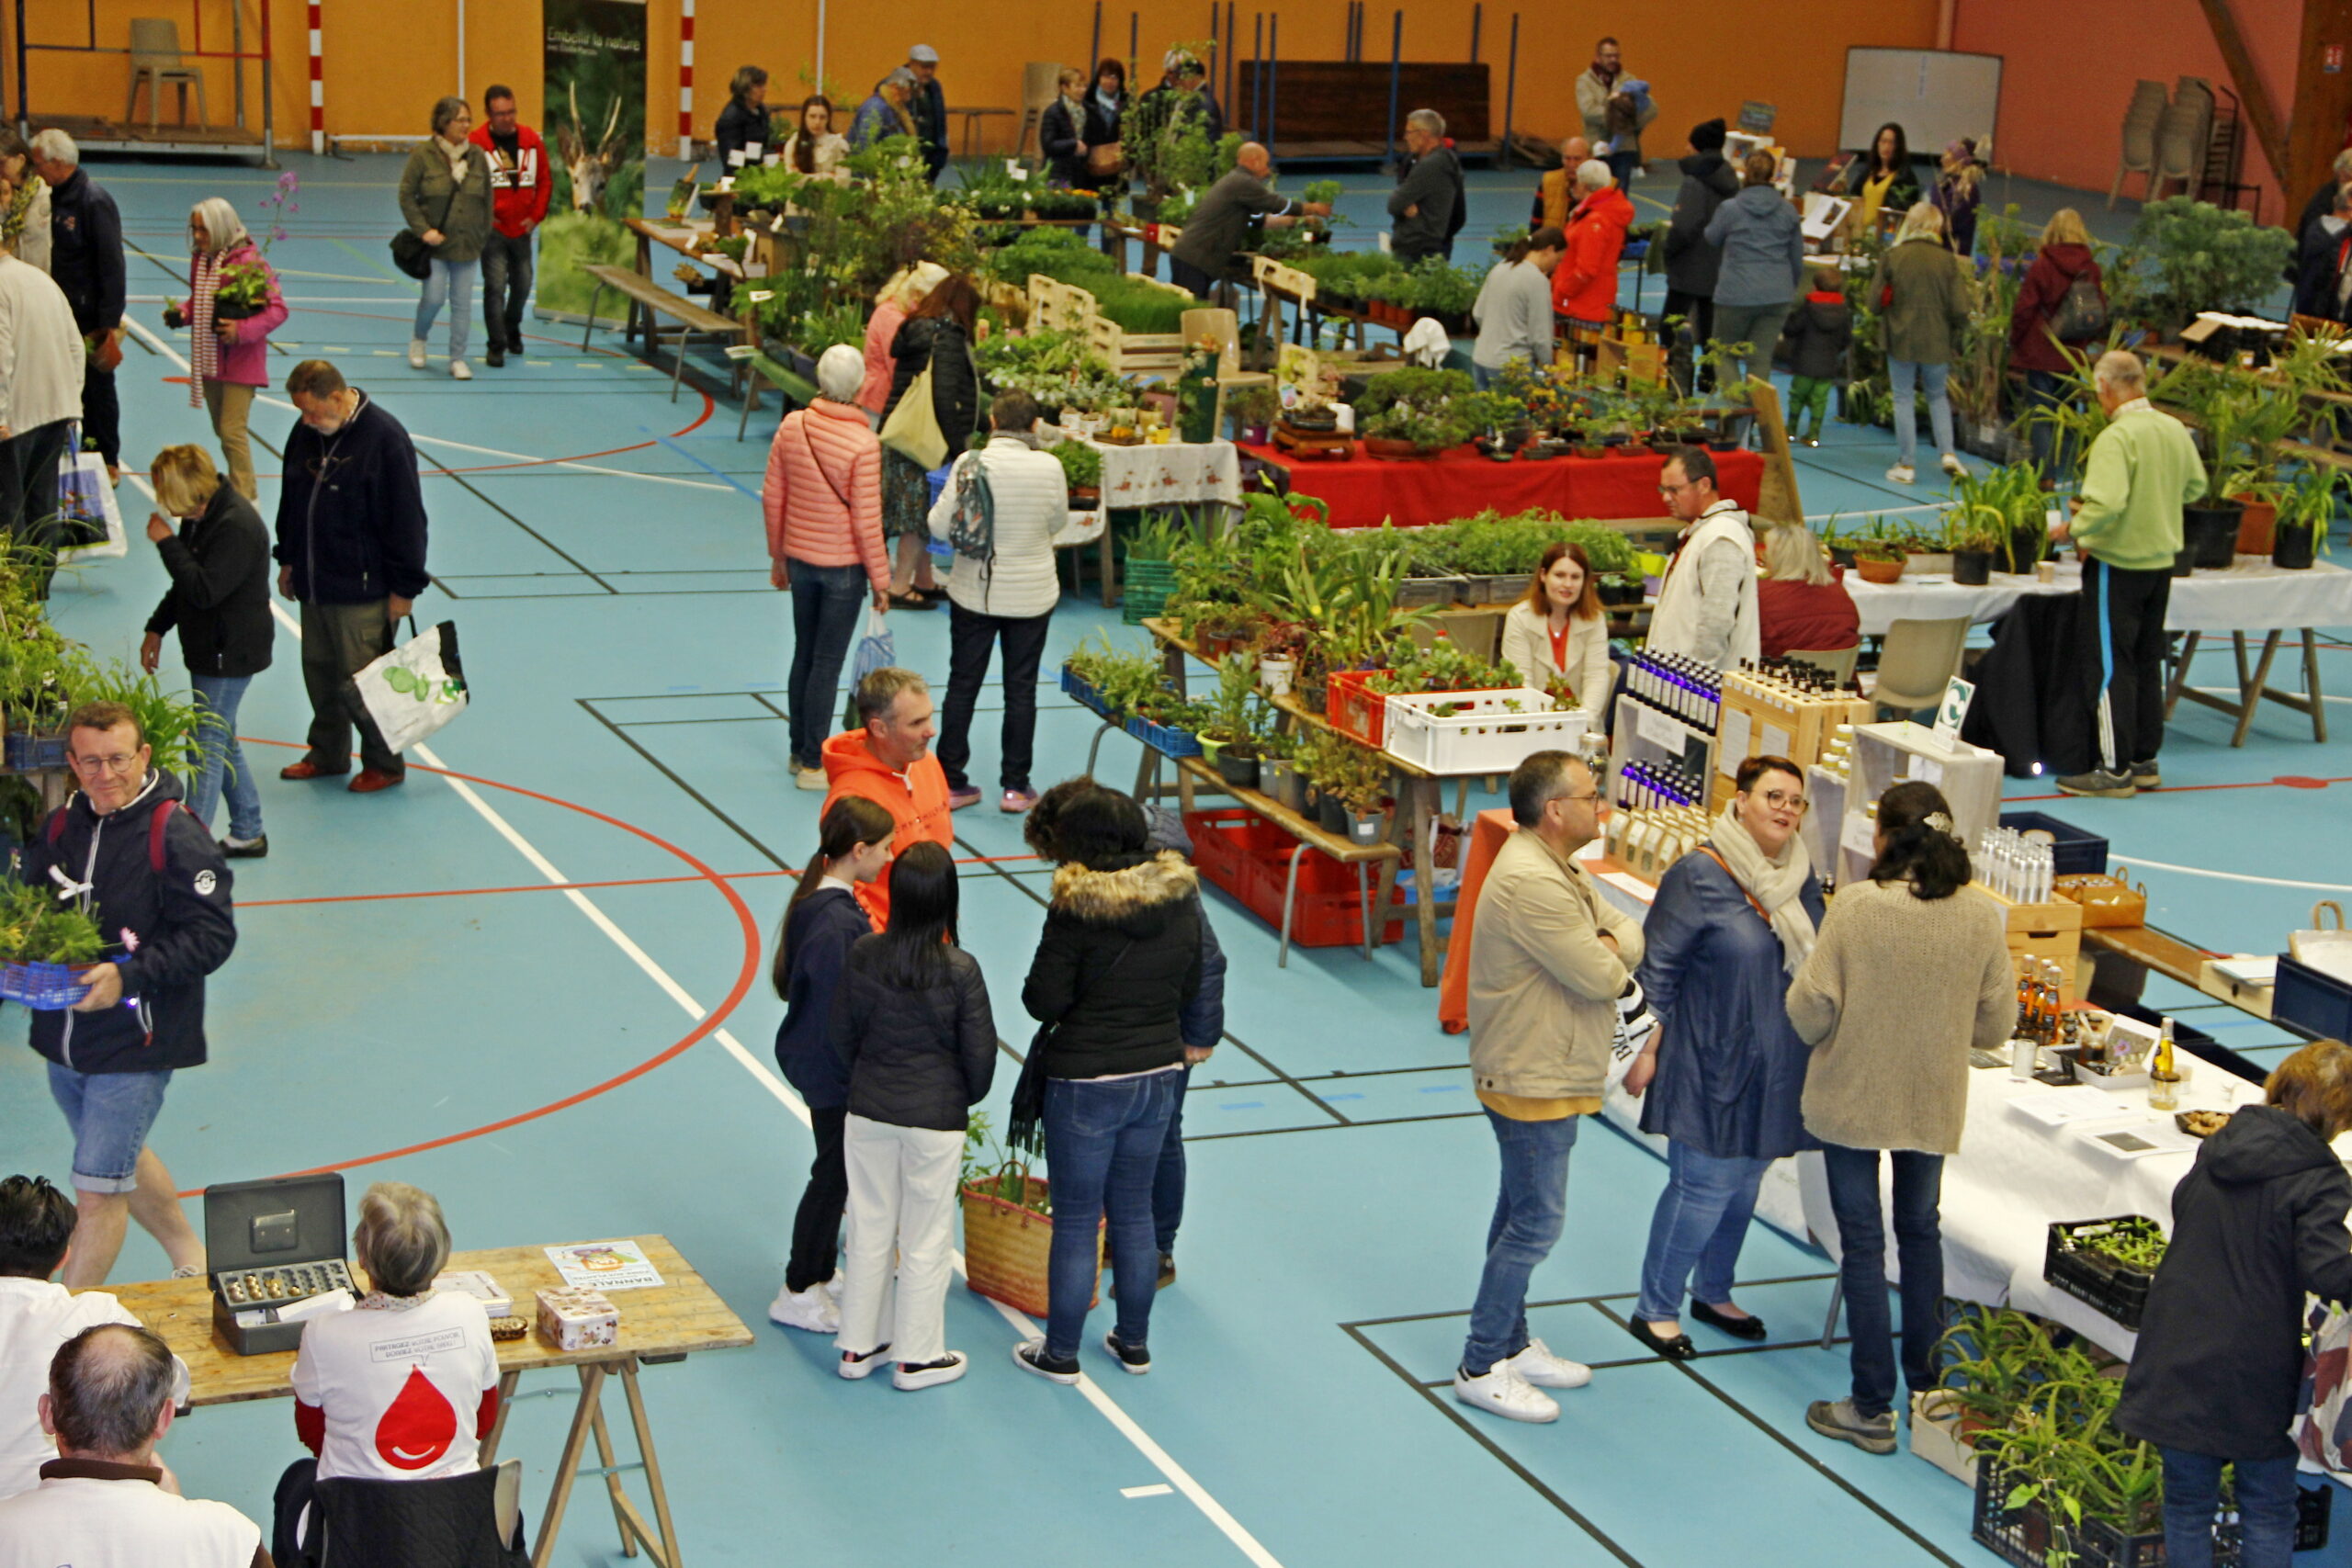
{"x": 755, "y": 269}
{"x": 1958, "y": 694}
{"x": 761, "y": 296}
{"x": 1859, "y": 835}
{"x": 740, "y": 351}
{"x": 1661, "y": 728}
{"x": 1731, "y": 748}
{"x": 750, "y": 152}
{"x": 1776, "y": 742}
{"x": 604, "y": 1266}
{"x": 735, "y": 159}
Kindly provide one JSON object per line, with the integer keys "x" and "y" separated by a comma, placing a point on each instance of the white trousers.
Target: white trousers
{"x": 901, "y": 1194}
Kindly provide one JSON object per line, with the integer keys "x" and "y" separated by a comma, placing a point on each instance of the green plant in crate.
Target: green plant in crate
{"x": 37, "y": 928}
{"x": 1236, "y": 713}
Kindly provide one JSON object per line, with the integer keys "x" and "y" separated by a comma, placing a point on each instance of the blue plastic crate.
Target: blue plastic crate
{"x": 1164, "y": 739}
{"x": 43, "y": 988}
{"x": 2076, "y": 852}
{"x": 24, "y": 752}
{"x": 1083, "y": 691}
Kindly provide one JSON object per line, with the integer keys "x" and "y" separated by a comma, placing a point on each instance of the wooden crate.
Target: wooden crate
{"x": 1762, "y": 718}
{"x": 1634, "y": 361}
{"x": 2052, "y": 933}
{"x": 1058, "y": 306}
{"x": 1140, "y": 354}
{"x": 1287, "y": 281}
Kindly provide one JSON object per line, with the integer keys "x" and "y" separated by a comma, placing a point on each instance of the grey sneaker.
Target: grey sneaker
{"x": 1837, "y": 1418}
{"x": 2147, "y": 775}
{"x": 2099, "y": 783}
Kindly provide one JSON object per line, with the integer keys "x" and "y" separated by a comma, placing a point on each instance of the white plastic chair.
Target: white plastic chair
{"x": 1917, "y": 662}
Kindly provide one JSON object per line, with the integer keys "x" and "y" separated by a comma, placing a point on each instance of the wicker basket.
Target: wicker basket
{"x": 1008, "y": 1250}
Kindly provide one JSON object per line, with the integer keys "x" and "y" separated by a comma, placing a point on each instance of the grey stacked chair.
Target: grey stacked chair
{"x": 2197, "y": 93}
{"x": 2148, "y": 103}
{"x": 2180, "y": 149}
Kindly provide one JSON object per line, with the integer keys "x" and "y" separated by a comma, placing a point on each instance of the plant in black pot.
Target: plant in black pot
{"x": 2243, "y": 421}
{"x": 1972, "y": 535}
{"x": 2306, "y": 510}
{"x": 1237, "y": 721}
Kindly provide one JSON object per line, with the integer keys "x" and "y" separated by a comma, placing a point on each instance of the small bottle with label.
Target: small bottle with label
{"x": 2164, "y": 1074}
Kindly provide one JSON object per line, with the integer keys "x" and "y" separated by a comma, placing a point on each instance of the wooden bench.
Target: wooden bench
{"x": 1192, "y": 772}
{"x": 644, "y": 294}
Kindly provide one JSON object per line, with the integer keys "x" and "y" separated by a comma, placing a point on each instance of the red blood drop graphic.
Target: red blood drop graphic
{"x": 419, "y": 1425}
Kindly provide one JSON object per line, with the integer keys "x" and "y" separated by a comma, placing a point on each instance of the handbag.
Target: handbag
{"x": 912, "y": 430}
{"x": 1025, "y": 1122}
{"x": 1107, "y": 159}
{"x": 411, "y": 254}
{"x": 416, "y": 688}
{"x": 87, "y": 516}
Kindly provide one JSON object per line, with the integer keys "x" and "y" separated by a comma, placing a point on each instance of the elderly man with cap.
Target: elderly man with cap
{"x": 1218, "y": 229}
{"x": 927, "y": 104}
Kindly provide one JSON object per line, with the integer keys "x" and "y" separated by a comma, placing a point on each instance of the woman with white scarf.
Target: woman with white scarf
{"x": 228, "y": 338}
{"x": 1724, "y": 1070}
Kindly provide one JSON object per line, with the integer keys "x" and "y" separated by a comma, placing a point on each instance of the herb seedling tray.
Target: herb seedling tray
{"x": 2090, "y": 1275}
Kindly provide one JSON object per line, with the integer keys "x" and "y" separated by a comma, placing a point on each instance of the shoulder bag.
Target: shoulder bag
{"x": 411, "y": 254}
{"x": 912, "y": 430}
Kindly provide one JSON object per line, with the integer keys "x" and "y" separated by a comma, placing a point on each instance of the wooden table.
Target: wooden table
{"x": 658, "y": 1326}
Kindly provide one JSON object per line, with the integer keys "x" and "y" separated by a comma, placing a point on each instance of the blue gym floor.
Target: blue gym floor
{"x": 409, "y": 1000}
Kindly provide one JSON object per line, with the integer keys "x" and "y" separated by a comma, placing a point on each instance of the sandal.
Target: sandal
{"x": 909, "y": 600}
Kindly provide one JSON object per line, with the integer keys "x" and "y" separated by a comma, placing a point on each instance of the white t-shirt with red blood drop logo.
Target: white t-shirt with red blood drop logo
{"x": 401, "y": 1387}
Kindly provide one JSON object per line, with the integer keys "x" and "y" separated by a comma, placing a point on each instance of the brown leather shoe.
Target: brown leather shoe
{"x": 306, "y": 769}
{"x": 369, "y": 781}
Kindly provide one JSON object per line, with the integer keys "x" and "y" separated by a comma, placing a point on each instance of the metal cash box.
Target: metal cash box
{"x": 270, "y": 1244}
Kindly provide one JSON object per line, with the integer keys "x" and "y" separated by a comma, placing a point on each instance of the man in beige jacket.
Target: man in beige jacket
{"x": 1548, "y": 962}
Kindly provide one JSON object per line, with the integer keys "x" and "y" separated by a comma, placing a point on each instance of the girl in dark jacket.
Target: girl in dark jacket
{"x": 911, "y": 1024}
{"x": 1119, "y": 963}
{"x": 938, "y": 333}
{"x": 220, "y": 600}
{"x": 2064, "y": 257}
{"x": 1062, "y": 133}
{"x": 820, "y": 925}
{"x": 2256, "y": 1223}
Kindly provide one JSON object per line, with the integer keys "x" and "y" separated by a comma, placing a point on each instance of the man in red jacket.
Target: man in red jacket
{"x": 521, "y": 182}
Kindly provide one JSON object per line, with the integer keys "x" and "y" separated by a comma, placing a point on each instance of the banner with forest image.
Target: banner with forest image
{"x": 595, "y": 129}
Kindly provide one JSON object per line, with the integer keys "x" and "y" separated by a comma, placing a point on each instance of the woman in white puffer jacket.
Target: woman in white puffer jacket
{"x": 1009, "y": 597}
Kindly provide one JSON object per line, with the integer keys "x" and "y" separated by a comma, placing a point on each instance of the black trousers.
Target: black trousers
{"x": 101, "y": 414}
{"x": 506, "y": 288}
{"x": 971, "y": 638}
{"x": 2123, "y": 628}
{"x": 816, "y": 1226}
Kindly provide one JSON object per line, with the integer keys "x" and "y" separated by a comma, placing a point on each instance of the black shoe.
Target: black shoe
{"x": 515, "y": 343}
{"x": 496, "y": 358}
{"x": 252, "y": 849}
{"x": 1678, "y": 1348}
{"x": 1134, "y": 1358}
{"x": 1749, "y": 1328}
{"x": 2149, "y": 774}
{"x": 911, "y": 600}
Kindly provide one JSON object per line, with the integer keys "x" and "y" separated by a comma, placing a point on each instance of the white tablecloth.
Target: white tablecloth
{"x": 1174, "y": 474}
{"x": 2011, "y": 1179}
{"x": 2252, "y": 596}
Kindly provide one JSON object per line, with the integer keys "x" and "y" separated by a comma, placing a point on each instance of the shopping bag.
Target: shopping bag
{"x": 2324, "y": 1424}
{"x": 874, "y": 652}
{"x": 86, "y": 515}
{"x": 416, "y": 688}
{"x": 912, "y": 430}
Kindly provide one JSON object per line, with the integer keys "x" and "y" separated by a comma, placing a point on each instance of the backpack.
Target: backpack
{"x": 2082, "y": 314}
{"x": 971, "y": 529}
{"x": 55, "y": 832}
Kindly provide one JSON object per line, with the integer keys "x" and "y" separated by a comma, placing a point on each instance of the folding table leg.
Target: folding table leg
{"x": 507, "y": 1383}
{"x": 567, "y": 1470}
{"x": 2180, "y": 670}
{"x": 1366, "y": 913}
{"x": 1837, "y": 1300}
{"x": 2311, "y": 686}
{"x": 644, "y": 1429}
{"x": 605, "y": 1458}
{"x": 2252, "y": 687}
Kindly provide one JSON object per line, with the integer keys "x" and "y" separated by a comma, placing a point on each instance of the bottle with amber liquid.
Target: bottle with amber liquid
{"x": 2164, "y": 1074}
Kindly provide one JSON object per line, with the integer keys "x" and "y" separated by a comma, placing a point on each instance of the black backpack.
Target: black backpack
{"x": 2082, "y": 314}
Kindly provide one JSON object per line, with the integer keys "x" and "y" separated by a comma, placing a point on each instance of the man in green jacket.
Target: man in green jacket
{"x": 2141, "y": 470}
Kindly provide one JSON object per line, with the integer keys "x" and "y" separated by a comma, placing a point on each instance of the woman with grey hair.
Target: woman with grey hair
{"x": 886, "y": 114}
{"x": 444, "y": 197}
{"x": 233, "y": 304}
{"x": 404, "y": 1386}
{"x": 743, "y": 123}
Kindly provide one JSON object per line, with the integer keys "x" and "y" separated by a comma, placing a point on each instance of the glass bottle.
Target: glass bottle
{"x": 2164, "y": 1074}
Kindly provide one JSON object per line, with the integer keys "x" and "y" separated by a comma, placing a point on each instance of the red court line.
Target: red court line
{"x": 558, "y": 886}
{"x": 709, "y": 406}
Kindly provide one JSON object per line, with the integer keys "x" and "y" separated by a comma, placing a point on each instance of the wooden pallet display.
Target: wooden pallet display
{"x": 2051, "y": 932}
{"x": 1138, "y": 353}
{"x": 1058, "y": 306}
{"x": 1764, "y": 717}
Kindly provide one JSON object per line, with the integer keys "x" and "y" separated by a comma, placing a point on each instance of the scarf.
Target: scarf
{"x": 204, "y": 356}
{"x": 456, "y": 153}
{"x": 1774, "y": 884}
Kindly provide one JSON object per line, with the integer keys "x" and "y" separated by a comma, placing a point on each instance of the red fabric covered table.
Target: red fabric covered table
{"x": 1364, "y": 493}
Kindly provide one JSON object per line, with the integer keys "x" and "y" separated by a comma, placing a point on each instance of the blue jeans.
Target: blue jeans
{"x": 1906, "y": 376}
{"x": 825, "y": 601}
{"x": 1861, "y": 1269}
{"x": 2266, "y": 1498}
{"x": 451, "y": 284}
{"x": 1701, "y": 1222}
{"x": 111, "y": 1114}
{"x": 1529, "y": 1210}
{"x": 1103, "y": 1140}
{"x": 1482, "y": 378}
{"x": 217, "y": 720}
{"x": 1168, "y": 1180}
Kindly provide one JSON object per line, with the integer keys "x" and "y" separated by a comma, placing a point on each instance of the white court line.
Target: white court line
{"x": 176, "y": 357}
{"x": 1161, "y": 1459}
{"x": 2241, "y": 876}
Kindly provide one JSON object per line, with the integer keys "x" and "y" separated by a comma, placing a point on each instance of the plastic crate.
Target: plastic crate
{"x": 2076, "y": 852}
{"x": 24, "y": 752}
{"x": 2025, "y": 1535}
{"x": 2106, "y": 1286}
{"x": 43, "y": 988}
{"x": 1144, "y": 588}
{"x": 1354, "y": 709}
{"x": 1163, "y": 739}
{"x": 1083, "y": 691}
{"x": 2310, "y": 999}
{"x": 1482, "y": 735}
{"x": 1248, "y": 857}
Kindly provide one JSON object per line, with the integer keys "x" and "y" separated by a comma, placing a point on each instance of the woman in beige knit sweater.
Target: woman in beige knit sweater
{"x": 1911, "y": 969}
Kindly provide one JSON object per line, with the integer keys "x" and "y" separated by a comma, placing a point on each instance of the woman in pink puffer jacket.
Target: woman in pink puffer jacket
{"x": 823, "y": 501}
{"x": 228, "y": 360}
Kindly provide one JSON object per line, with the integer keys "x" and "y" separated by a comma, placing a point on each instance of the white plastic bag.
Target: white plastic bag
{"x": 84, "y": 497}
{"x": 415, "y": 689}
{"x": 874, "y": 652}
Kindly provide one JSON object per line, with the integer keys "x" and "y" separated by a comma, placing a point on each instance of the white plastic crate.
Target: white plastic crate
{"x": 1482, "y": 735}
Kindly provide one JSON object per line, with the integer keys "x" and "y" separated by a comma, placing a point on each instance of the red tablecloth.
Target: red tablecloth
{"x": 1364, "y": 491}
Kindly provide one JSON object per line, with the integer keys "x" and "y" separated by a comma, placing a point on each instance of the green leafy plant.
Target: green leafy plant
{"x": 172, "y": 724}
{"x": 1236, "y": 713}
{"x": 2307, "y": 501}
{"x": 1081, "y": 464}
{"x": 2207, "y": 258}
{"x": 37, "y": 927}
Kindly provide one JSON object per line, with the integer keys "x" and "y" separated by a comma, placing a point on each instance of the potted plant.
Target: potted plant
{"x": 48, "y": 945}
{"x": 1235, "y": 722}
{"x": 1082, "y": 467}
{"x": 1880, "y": 560}
{"x": 2207, "y": 258}
{"x": 1252, "y": 410}
{"x": 2306, "y": 509}
{"x": 1278, "y": 649}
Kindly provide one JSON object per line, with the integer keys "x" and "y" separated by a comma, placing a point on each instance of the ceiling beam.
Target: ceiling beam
{"x": 2261, "y": 114}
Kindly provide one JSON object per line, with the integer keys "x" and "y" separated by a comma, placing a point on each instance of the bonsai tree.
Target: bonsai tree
{"x": 2207, "y": 258}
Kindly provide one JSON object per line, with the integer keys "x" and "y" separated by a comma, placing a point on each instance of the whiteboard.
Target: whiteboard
{"x": 1934, "y": 95}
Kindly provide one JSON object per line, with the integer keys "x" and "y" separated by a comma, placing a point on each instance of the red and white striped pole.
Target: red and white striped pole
{"x": 686, "y": 78}
{"x": 318, "y": 87}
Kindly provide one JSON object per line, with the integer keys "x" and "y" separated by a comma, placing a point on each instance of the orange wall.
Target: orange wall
{"x": 2062, "y": 110}
{"x": 386, "y": 63}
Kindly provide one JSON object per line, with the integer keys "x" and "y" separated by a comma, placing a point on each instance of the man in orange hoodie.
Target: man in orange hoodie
{"x": 1584, "y": 286}
{"x": 888, "y": 761}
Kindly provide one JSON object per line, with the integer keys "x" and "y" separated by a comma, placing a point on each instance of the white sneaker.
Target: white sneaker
{"x": 1902, "y": 474}
{"x": 1504, "y": 1392}
{"x": 1538, "y": 1365}
{"x": 946, "y": 1370}
{"x": 812, "y": 1310}
{"x": 856, "y": 1367}
{"x": 1954, "y": 467}
{"x": 461, "y": 371}
{"x": 810, "y": 779}
{"x": 416, "y": 353}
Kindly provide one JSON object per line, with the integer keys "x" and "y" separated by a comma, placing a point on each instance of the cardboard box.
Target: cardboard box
{"x": 578, "y": 1320}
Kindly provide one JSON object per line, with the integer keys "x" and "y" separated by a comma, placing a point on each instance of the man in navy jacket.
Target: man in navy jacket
{"x": 85, "y": 258}
{"x": 351, "y": 551}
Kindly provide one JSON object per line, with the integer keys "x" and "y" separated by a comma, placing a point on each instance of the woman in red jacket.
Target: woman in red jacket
{"x": 1584, "y": 286}
{"x": 2065, "y": 256}
{"x": 1801, "y": 604}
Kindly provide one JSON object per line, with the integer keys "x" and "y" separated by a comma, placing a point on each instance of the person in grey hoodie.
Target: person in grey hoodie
{"x": 1763, "y": 263}
{"x": 1514, "y": 308}
{"x": 1693, "y": 260}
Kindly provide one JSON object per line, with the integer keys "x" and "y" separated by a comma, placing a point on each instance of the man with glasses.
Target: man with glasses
{"x": 124, "y": 850}
{"x": 351, "y": 551}
{"x": 521, "y": 181}
{"x": 1706, "y": 609}
{"x": 1549, "y": 960}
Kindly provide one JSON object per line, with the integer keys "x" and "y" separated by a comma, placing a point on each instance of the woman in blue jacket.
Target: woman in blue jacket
{"x": 824, "y": 919}
{"x": 1732, "y": 922}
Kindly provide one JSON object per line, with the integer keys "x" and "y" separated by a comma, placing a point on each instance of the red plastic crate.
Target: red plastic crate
{"x": 1354, "y": 709}
{"x": 1248, "y": 857}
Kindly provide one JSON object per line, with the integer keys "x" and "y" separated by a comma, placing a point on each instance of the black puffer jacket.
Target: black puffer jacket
{"x": 919, "y": 1057}
{"x": 954, "y": 380}
{"x": 1690, "y": 263}
{"x": 1119, "y": 963}
{"x": 220, "y": 592}
{"x": 2256, "y": 1222}
{"x": 1819, "y": 332}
